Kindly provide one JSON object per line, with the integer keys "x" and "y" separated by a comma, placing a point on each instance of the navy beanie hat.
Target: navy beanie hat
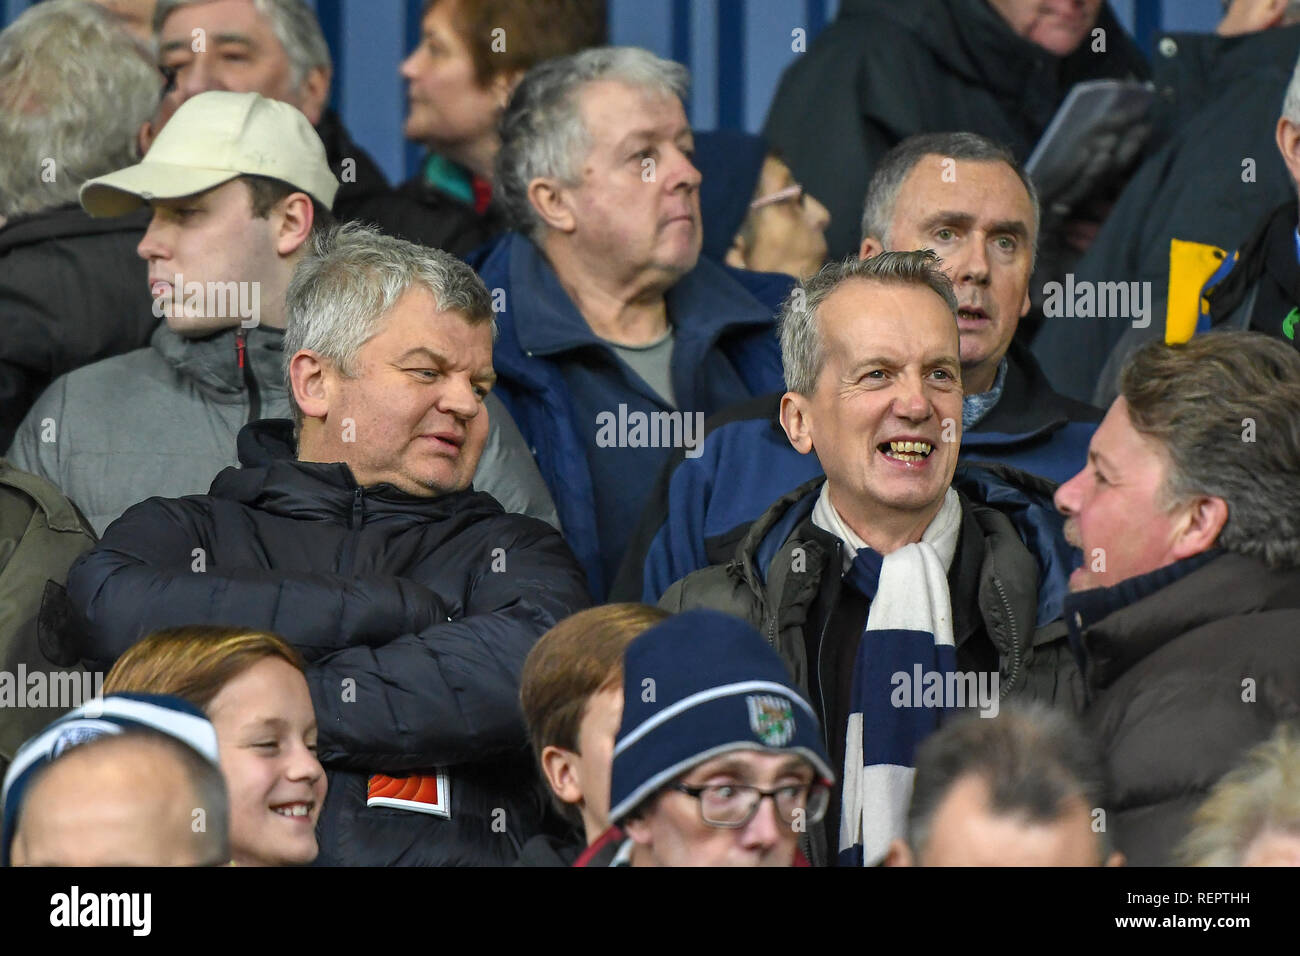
{"x": 114, "y": 714}
{"x": 730, "y": 163}
{"x": 697, "y": 685}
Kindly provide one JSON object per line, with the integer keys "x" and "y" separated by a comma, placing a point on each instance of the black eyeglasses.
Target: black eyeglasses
{"x": 731, "y": 805}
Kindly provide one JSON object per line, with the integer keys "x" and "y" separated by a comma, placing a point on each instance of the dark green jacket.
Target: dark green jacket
{"x": 41, "y": 533}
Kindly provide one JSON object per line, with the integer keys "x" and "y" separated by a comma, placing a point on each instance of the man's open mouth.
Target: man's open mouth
{"x": 909, "y": 451}
{"x": 971, "y": 314}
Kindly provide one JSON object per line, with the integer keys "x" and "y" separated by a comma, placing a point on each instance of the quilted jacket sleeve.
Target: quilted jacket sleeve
{"x": 153, "y": 570}
{"x": 449, "y": 693}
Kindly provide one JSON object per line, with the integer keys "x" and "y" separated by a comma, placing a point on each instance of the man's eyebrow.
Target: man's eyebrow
{"x": 947, "y": 217}
{"x": 487, "y": 374}
{"x": 1097, "y": 458}
{"x": 1013, "y": 226}
{"x": 636, "y": 134}
{"x": 890, "y": 361}
{"x": 943, "y": 359}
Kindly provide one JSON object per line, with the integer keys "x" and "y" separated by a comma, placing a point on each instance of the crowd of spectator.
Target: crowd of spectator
{"x": 617, "y": 493}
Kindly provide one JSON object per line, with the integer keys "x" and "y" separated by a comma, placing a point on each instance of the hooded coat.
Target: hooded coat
{"x": 72, "y": 291}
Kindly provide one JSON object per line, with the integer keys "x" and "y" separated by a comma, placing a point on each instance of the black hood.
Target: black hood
{"x": 271, "y": 479}
{"x": 367, "y": 180}
{"x": 972, "y": 40}
{"x": 67, "y": 222}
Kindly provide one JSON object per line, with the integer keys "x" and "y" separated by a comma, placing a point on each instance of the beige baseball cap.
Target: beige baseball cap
{"x": 211, "y": 139}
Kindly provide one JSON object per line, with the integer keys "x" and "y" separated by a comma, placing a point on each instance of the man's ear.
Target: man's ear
{"x": 1116, "y": 859}
{"x": 1205, "y": 518}
{"x": 871, "y": 246}
{"x": 295, "y": 218}
{"x": 307, "y": 373}
{"x": 796, "y": 421}
{"x": 561, "y": 774}
{"x": 550, "y": 200}
{"x": 1288, "y": 144}
{"x": 314, "y": 93}
{"x": 900, "y": 854}
{"x": 144, "y": 137}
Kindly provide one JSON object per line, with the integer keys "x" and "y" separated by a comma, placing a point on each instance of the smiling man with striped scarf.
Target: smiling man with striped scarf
{"x": 897, "y": 588}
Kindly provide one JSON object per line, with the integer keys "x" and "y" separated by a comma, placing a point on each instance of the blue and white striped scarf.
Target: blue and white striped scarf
{"x": 908, "y": 632}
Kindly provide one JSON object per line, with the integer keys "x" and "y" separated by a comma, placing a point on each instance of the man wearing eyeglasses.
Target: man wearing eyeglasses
{"x": 719, "y": 759}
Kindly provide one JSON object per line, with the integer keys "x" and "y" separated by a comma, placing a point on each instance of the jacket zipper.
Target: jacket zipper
{"x": 1016, "y": 654}
{"x": 354, "y": 525}
{"x": 250, "y": 380}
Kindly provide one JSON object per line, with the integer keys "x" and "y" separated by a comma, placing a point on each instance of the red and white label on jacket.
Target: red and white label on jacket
{"x": 420, "y": 794}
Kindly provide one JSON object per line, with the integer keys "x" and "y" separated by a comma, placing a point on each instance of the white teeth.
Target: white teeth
{"x": 293, "y": 810}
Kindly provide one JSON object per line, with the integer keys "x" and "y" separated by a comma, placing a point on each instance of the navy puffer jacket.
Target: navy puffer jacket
{"x": 414, "y": 616}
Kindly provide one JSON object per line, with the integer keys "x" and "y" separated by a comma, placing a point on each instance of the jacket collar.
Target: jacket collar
{"x": 213, "y": 362}
{"x": 705, "y": 303}
{"x": 1114, "y": 632}
{"x": 1029, "y": 406}
{"x": 271, "y": 479}
{"x": 68, "y": 222}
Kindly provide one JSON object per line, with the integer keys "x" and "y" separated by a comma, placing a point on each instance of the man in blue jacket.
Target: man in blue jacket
{"x": 617, "y": 339}
{"x": 968, "y": 200}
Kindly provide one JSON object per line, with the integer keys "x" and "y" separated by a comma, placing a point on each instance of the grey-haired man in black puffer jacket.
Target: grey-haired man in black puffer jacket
{"x": 413, "y": 598}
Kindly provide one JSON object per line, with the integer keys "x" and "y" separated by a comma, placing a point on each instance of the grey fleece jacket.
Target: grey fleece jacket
{"x": 162, "y": 421}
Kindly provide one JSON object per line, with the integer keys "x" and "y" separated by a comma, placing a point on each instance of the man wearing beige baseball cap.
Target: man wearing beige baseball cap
{"x": 237, "y": 183}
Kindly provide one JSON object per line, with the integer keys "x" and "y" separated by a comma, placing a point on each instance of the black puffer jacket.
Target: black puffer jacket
{"x": 1184, "y": 682}
{"x": 414, "y": 616}
{"x": 72, "y": 292}
{"x": 886, "y": 69}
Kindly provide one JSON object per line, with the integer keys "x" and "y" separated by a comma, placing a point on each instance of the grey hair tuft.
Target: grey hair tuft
{"x": 74, "y": 89}
{"x": 802, "y": 354}
{"x": 344, "y": 288}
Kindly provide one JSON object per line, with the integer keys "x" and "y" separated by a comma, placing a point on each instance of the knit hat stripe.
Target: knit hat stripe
{"x": 713, "y": 693}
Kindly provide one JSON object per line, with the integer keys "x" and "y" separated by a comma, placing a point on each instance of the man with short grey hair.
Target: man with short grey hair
{"x": 413, "y": 598}
{"x": 616, "y": 337}
{"x": 886, "y": 573}
{"x": 74, "y": 89}
{"x": 1185, "y": 608}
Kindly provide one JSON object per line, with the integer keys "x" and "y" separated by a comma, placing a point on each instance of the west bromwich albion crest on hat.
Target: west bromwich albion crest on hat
{"x": 772, "y": 718}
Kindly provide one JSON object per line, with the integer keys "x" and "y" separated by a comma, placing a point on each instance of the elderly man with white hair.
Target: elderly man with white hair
{"x": 616, "y": 337}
